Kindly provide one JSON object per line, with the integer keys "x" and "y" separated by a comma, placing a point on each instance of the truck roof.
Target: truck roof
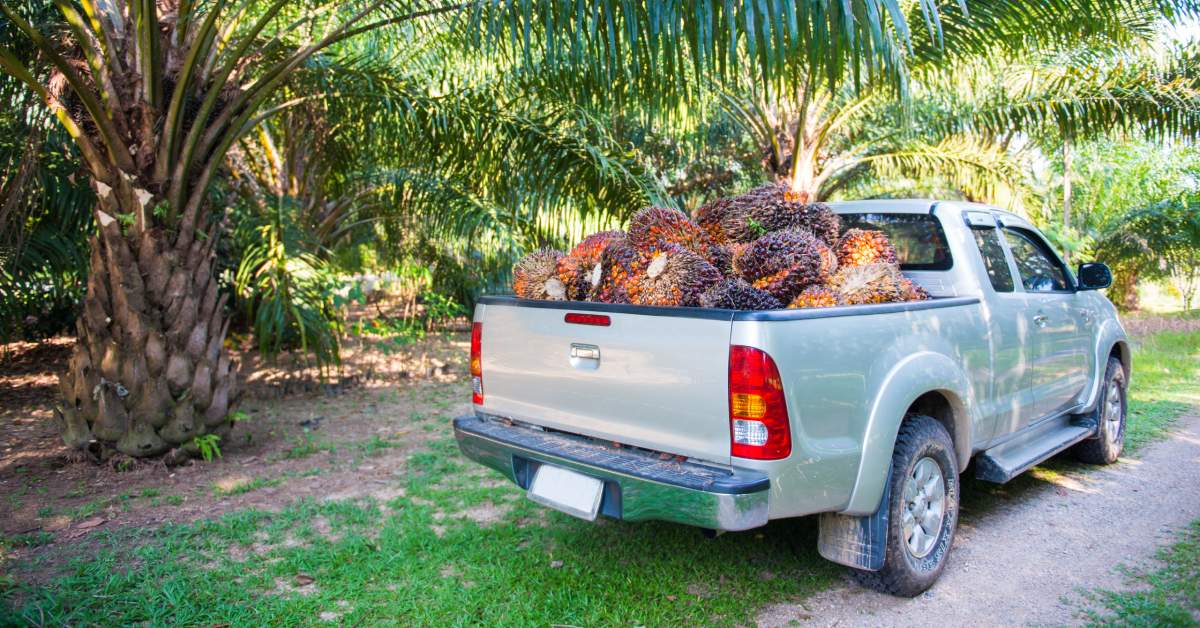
{"x": 920, "y": 206}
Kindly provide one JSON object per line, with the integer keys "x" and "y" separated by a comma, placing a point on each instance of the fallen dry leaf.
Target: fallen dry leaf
{"x": 89, "y": 523}
{"x": 304, "y": 579}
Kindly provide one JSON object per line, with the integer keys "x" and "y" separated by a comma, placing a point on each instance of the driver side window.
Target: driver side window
{"x": 1040, "y": 270}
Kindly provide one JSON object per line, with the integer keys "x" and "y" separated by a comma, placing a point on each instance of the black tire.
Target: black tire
{"x": 904, "y": 573}
{"x": 1105, "y": 447}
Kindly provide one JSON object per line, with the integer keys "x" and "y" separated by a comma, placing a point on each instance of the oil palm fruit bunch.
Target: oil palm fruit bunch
{"x": 773, "y": 207}
{"x": 711, "y": 217}
{"x": 912, "y": 291}
{"x": 859, "y": 247}
{"x": 653, "y": 227}
{"x": 869, "y": 283}
{"x": 815, "y": 296}
{"x": 535, "y": 276}
{"x": 672, "y": 275}
{"x": 736, "y": 294}
{"x": 786, "y": 262}
{"x": 620, "y": 265}
{"x": 578, "y": 269}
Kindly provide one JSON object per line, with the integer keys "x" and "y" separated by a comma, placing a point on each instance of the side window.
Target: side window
{"x": 988, "y": 241}
{"x": 1040, "y": 270}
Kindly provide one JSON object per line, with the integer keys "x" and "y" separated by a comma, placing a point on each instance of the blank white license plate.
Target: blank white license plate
{"x": 573, "y": 493}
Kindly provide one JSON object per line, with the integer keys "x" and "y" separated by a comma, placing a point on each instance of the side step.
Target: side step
{"x": 1029, "y": 447}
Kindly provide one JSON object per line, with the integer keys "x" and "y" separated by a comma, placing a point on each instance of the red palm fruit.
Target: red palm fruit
{"x": 577, "y": 269}
{"x": 815, "y": 296}
{"x": 653, "y": 227}
{"x": 859, "y": 247}
{"x": 736, "y": 294}
{"x": 535, "y": 276}
{"x": 711, "y": 217}
{"x": 785, "y": 262}
{"x": 912, "y": 291}
{"x": 870, "y": 283}
{"x": 613, "y": 278}
{"x": 673, "y": 275}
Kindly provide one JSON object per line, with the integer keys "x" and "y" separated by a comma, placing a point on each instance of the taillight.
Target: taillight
{"x": 758, "y": 418}
{"x": 476, "y": 363}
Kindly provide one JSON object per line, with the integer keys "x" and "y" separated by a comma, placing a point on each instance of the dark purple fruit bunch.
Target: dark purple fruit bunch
{"x": 654, "y": 227}
{"x": 673, "y": 275}
{"x": 535, "y": 276}
{"x": 736, "y": 294}
{"x": 620, "y": 265}
{"x": 577, "y": 270}
{"x": 773, "y": 207}
{"x": 711, "y": 217}
{"x": 785, "y": 262}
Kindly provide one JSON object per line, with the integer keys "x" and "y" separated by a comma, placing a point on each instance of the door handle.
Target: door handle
{"x": 1040, "y": 320}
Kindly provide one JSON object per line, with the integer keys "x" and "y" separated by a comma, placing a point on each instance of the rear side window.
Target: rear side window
{"x": 1040, "y": 269}
{"x": 919, "y": 239}
{"x": 998, "y": 272}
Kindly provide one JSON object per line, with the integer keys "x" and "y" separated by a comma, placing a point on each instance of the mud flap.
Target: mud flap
{"x": 859, "y": 542}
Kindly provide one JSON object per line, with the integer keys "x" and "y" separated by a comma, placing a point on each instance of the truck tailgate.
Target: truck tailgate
{"x": 660, "y": 381}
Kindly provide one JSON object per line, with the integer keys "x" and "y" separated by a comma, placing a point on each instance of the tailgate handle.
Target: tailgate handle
{"x": 585, "y": 352}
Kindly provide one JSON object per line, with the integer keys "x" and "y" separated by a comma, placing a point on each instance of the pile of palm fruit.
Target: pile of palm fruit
{"x": 762, "y": 250}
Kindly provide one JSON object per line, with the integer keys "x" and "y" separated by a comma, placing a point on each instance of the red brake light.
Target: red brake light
{"x": 758, "y": 418}
{"x": 599, "y": 320}
{"x": 476, "y": 363}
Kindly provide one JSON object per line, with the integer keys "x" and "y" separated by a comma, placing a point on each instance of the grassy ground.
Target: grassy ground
{"x": 1166, "y": 372}
{"x": 1167, "y": 594}
{"x": 454, "y": 546}
{"x": 436, "y": 540}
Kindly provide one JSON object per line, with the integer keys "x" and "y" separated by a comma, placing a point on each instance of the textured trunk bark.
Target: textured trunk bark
{"x": 149, "y": 371}
{"x": 1124, "y": 291}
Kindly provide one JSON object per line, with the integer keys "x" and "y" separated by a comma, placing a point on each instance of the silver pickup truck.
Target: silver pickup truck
{"x": 865, "y": 415}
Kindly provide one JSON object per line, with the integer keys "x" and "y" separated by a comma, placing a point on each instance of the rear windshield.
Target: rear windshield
{"x": 919, "y": 240}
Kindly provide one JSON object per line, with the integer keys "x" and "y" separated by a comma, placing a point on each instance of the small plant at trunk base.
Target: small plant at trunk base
{"x": 207, "y": 445}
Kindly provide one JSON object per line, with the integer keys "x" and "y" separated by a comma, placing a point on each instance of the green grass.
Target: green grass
{"x": 1166, "y": 372}
{"x": 1165, "y": 595}
{"x": 420, "y": 560}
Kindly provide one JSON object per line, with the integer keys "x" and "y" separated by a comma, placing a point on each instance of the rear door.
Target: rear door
{"x": 657, "y": 378}
{"x": 1060, "y": 367}
{"x": 1014, "y": 348}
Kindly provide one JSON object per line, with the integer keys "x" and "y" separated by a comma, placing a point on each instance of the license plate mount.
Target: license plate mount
{"x": 567, "y": 491}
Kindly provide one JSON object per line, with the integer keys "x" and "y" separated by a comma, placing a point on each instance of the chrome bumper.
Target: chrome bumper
{"x": 638, "y": 486}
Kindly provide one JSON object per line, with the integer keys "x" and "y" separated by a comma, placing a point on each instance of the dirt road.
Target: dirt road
{"x": 1022, "y": 558}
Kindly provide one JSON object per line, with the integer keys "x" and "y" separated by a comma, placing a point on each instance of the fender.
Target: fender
{"x": 907, "y": 380}
{"x": 1109, "y": 335}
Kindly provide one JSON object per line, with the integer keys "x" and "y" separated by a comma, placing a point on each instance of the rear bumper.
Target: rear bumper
{"x": 638, "y": 485}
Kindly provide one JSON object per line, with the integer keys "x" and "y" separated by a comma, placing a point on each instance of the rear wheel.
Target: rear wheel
{"x": 923, "y": 510}
{"x": 1106, "y": 446}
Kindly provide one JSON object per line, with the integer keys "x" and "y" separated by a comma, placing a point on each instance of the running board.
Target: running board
{"x": 1012, "y": 458}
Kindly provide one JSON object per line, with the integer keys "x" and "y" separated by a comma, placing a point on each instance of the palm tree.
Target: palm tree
{"x": 155, "y": 93}
{"x": 993, "y": 79}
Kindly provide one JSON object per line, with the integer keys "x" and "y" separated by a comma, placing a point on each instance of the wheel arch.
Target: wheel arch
{"x": 924, "y": 383}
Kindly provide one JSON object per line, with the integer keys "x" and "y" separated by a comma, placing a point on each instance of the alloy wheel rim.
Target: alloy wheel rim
{"x": 924, "y": 507}
{"x": 1113, "y": 411}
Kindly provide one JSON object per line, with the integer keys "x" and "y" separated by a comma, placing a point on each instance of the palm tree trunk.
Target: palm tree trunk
{"x": 149, "y": 371}
{"x": 1067, "y": 194}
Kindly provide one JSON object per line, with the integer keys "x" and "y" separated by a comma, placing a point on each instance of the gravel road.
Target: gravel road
{"x": 1024, "y": 560}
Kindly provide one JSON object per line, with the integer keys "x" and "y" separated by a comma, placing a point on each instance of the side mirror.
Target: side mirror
{"x": 1094, "y": 276}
